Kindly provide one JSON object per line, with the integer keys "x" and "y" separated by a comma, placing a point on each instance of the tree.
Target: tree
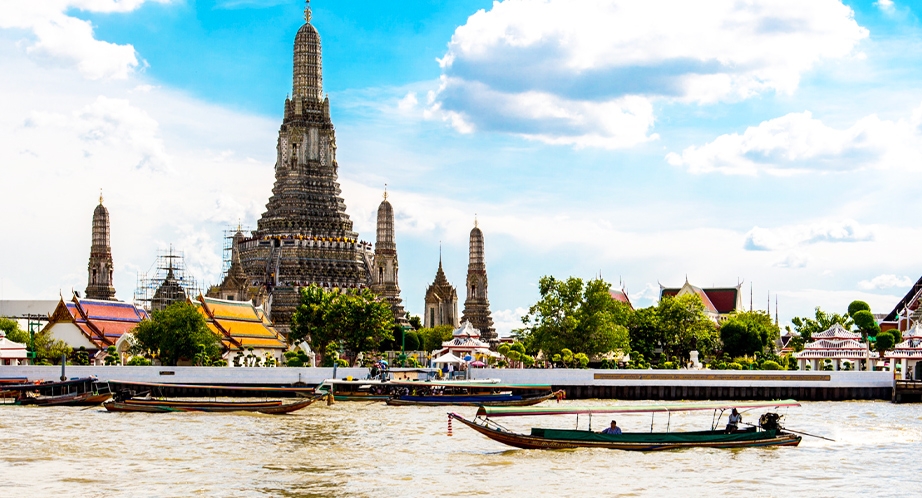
{"x": 576, "y": 316}
{"x": 433, "y": 337}
{"x": 354, "y": 319}
{"x": 748, "y": 332}
{"x": 685, "y": 327}
{"x": 886, "y": 340}
{"x": 857, "y": 306}
{"x": 415, "y": 321}
{"x": 48, "y": 350}
{"x": 865, "y": 322}
{"x": 80, "y": 357}
{"x": 645, "y": 332}
{"x": 806, "y": 327}
{"x": 12, "y": 331}
{"x": 176, "y": 333}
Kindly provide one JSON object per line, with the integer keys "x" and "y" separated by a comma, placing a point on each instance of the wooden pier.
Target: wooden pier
{"x": 907, "y": 391}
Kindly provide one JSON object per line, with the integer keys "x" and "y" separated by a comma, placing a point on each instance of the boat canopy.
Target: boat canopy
{"x": 241, "y": 387}
{"x": 482, "y": 383}
{"x": 512, "y": 411}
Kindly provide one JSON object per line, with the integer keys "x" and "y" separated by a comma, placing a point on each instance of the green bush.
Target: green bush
{"x": 735, "y": 366}
{"x": 668, "y": 365}
{"x": 138, "y": 361}
{"x": 771, "y": 365}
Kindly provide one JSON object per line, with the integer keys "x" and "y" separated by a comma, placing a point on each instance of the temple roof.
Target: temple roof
{"x": 720, "y": 300}
{"x": 837, "y": 331}
{"x": 440, "y": 287}
{"x": 239, "y": 324}
{"x": 621, "y": 296}
{"x": 102, "y": 322}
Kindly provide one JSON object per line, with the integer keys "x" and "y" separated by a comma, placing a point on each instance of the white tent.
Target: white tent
{"x": 447, "y": 358}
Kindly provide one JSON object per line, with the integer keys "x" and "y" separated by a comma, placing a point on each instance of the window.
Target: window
{"x": 432, "y": 317}
{"x": 93, "y": 280}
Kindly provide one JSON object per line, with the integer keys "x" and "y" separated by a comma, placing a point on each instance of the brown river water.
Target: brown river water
{"x": 362, "y": 449}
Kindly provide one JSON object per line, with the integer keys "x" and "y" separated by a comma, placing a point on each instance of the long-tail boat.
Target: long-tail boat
{"x": 768, "y": 432}
{"x": 473, "y": 394}
{"x": 87, "y": 391}
{"x": 383, "y": 390}
{"x": 127, "y": 401}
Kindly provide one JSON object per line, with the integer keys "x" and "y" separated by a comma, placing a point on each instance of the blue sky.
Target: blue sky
{"x": 774, "y": 143}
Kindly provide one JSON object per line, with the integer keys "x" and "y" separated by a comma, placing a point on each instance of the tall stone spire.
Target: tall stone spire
{"x": 385, "y": 268}
{"x": 305, "y": 236}
{"x": 99, "y": 279}
{"x": 477, "y": 304}
{"x": 441, "y": 307}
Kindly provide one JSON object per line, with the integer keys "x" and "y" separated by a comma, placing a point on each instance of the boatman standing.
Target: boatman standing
{"x": 614, "y": 429}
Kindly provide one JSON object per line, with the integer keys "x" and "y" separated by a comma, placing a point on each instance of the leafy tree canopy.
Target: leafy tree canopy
{"x": 886, "y": 340}
{"x": 433, "y": 337}
{"x": 415, "y": 321}
{"x": 865, "y": 322}
{"x": 176, "y": 333}
{"x": 49, "y": 350}
{"x": 684, "y": 326}
{"x": 575, "y": 315}
{"x": 355, "y": 319}
{"x": 857, "y": 306}
{"x": 12, "y": 331}
{"x": 748, "y": 332}
{"x": 806, "y": 327}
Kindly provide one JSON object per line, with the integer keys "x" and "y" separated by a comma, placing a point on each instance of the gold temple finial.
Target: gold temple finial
{"x": 239, "y": 225}
{"x": 475, "y": 220}
{"x": 307, "y": 12}
{"x": 100, "y": 196}
{"x": 385, "y": 191}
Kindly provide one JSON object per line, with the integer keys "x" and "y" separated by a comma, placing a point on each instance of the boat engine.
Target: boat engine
{"x": 770, "y": 422}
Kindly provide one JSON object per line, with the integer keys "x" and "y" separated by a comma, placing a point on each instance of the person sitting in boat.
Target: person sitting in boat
{"x": 613, "y": 429}
{"x": 735, "y": 420}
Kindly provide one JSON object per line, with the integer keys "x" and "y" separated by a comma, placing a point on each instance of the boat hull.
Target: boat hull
{"x": 471, "y": 400}
{"x": 640, "y": 442}
{"x": 153, "y": 406}
{"x": 76, "y": 399}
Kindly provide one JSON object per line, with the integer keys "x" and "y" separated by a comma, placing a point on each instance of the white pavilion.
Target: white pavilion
{"x": 838, "y": 345}
{"x": 465, "y": 341}
{"x": 909, "y": 353}
{"x": 12, "y": 353}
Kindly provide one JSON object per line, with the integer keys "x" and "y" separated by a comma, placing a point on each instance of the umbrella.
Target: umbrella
{"x": 447, "y": 358}
{"x": 478, "y": 363}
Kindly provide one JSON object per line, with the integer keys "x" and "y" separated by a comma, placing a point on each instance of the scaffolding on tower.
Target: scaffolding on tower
{"x": 228, "y": 250}
{"x": 168, "y": 261}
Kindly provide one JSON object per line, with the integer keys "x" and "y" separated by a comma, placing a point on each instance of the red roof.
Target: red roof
{"x": 721, "y": 299}
{"x": 110, "y": 310}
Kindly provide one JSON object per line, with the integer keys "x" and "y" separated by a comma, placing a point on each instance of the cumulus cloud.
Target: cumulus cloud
{"x": 109, "y": 123}
{"x": 794, "y": 261}
{"x": 885, "y": 5}
{"x": 505, "y": 321}
{"x": 773, "y": 239}
{"x": 798, "y": 143}
{"x": 62, "y": 37}
{"x": 584, "y": 72}
{"x": 885, "y": 282}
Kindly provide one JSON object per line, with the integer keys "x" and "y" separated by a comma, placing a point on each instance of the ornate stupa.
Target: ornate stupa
{"x": 305, "y": 236}
{"x": 441, "y": 306}
{"x": 99, "y": 279}
{"x": 385, "y": 267}
{"x": 477, "y": 305}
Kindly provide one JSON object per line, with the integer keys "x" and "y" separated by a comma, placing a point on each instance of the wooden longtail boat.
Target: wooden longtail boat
{"x": 383, "y": 390}
{"x": 768, "y": 433}
{"x": 85, "y": 391}
{"x": 479, "y": 396}
{"x": 161, "y": 406}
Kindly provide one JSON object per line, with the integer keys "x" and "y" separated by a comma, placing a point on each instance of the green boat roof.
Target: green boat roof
{"x": 557, "y": 409}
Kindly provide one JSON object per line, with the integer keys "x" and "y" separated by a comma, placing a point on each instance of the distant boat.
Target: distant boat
{"x": 151, "y": 405}
{"x": 86, "y": 391}
{"x": 382, "y": 390}
{"x": 127, "y": 401}
{"x": 769, "y": 432}
{"x": 437, "y": 394}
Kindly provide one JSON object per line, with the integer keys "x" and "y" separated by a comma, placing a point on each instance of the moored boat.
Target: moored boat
{"x": 85, "y": 391}
{"x": 768, "y": 432}
{"x": 160, "y": 406}
{"x": 478, "y": 395}
{"x": 382, "y": 390}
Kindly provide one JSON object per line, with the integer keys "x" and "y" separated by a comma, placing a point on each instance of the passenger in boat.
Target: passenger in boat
{"x": 734, "y": 421}
{"x": 613, "y": 429}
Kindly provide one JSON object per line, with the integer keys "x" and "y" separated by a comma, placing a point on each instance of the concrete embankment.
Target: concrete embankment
{"x": 579, "y": 384}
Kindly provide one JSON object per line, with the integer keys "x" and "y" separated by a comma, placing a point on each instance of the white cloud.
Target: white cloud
{"x": 798, "y": 143}
{"x": 62, "y": 37}
{"x": 773, "y": 239}
{"x": 885, "y": 282}
{"x": 886, "y": 6}
{"x": 408, "y": 102}
{"x": 794, "y": 260}
{"x": 505, "y": 321}
{"x": 583, "y": 72}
